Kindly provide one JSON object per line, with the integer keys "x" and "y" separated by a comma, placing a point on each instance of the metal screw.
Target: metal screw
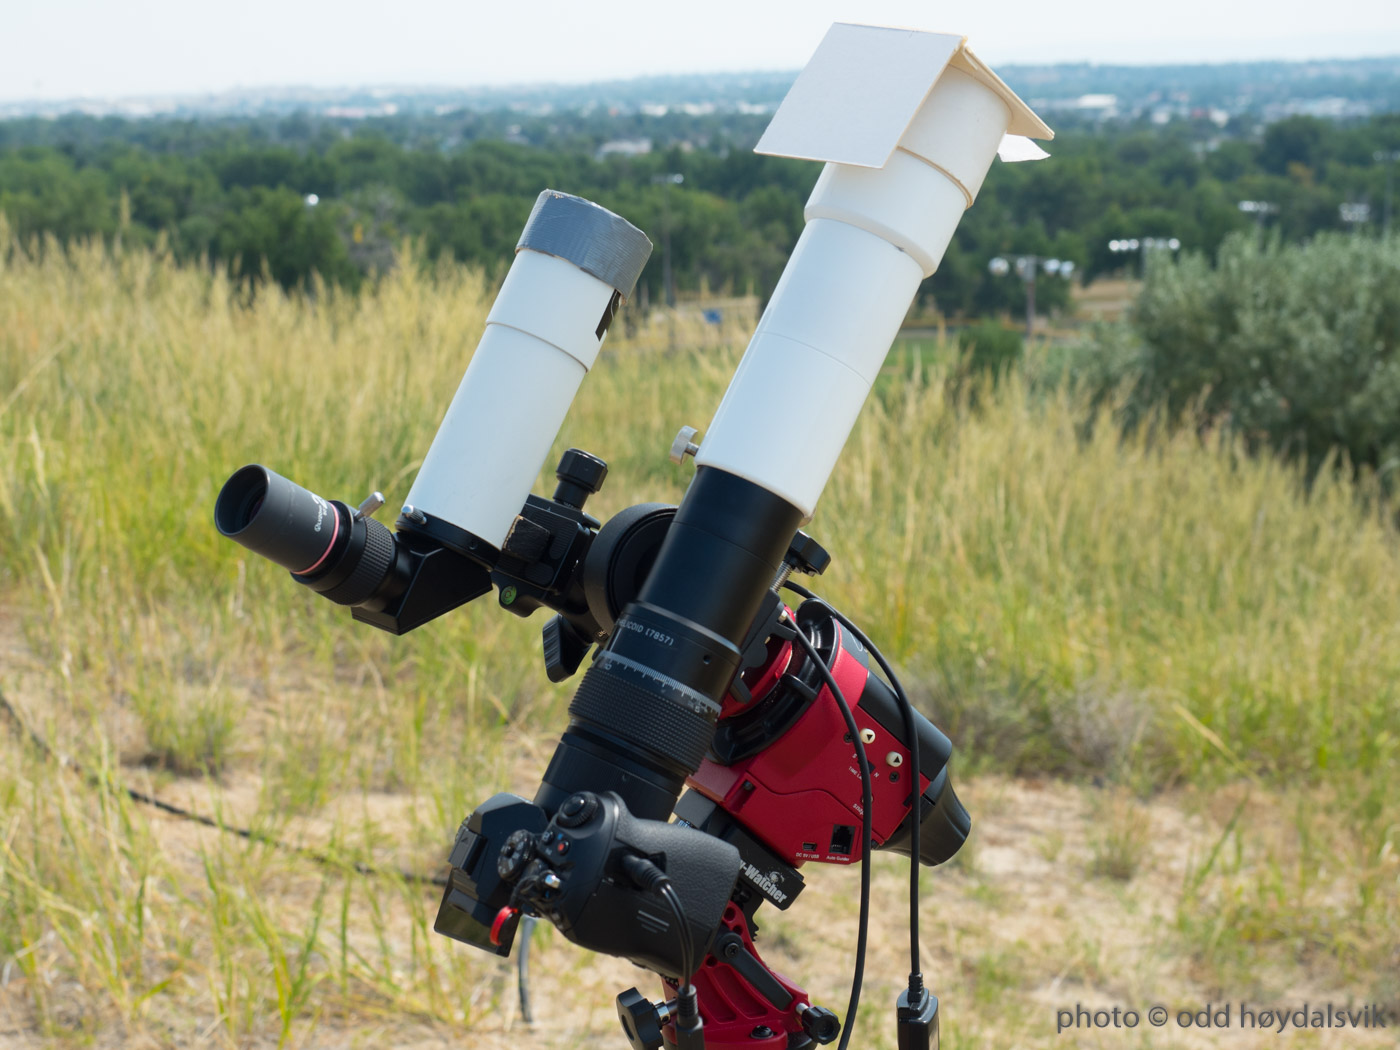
{"x": 413, "y": 514}
{"x": 552, "y": 881}
{"x": 761, "y": 1032}
{"x": 684, "y": 445}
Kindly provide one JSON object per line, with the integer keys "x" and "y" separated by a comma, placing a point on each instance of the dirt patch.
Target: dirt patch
{"x": 1021, "y": 925}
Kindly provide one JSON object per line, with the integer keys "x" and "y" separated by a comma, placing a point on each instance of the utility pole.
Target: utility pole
{"x": 1026, "y": 267}
{"x": 1142, "y": 246}
{"x": 668, "y": 282}
{"x": 1261, "y": 210}
{"x": 1388, "y": 158}
{"x": 1354, "y": 214}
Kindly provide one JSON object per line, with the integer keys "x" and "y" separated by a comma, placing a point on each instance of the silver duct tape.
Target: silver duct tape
{"x": 589, "y": 236}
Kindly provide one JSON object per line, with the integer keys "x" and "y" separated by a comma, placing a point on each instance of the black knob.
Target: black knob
{"x": 807, "y": 556}
{"x": 639, "y": 1020}
{"x": 580, "y": 475}
{"x": 565, "y": 646}
{"x": 821, "y": 1024}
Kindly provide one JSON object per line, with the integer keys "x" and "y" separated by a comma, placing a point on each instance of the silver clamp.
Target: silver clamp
{"x": 684, "y": 445}
{"x": 371, "y": 503}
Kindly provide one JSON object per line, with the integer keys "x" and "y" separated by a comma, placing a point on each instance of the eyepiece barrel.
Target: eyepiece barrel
{"x": 279, "y": 519}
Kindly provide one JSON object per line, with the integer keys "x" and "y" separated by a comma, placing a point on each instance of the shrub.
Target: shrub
{"x": 1295, "y": 348}
{"x": 989, "y": 348}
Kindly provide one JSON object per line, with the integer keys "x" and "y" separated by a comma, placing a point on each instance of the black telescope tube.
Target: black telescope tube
{"x": 644, "y": 714}
{"x": 280, "y": 520}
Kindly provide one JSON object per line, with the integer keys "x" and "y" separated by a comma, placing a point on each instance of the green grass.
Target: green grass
{"x": 1157, "y": 612}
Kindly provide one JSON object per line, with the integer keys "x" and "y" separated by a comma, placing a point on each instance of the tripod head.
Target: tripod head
{"x": 794, "y": 751}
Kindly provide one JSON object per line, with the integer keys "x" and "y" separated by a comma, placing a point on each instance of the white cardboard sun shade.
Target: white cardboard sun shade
{"x": 854, "y": 100}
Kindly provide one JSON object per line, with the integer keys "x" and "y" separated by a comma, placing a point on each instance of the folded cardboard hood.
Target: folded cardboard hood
{"x": 871, "y": 90}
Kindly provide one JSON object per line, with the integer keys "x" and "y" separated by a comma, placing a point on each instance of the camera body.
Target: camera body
{"x": 569, "y": 868}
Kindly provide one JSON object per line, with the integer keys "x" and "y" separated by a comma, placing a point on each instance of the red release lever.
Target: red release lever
{"x": 502, "y": 917}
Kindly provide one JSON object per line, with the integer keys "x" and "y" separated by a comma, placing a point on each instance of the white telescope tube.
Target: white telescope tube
{"x": 872, "y": 235}
{"x": 574, "y": 263}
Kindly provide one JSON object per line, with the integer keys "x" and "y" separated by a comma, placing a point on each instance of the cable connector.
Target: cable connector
{"x": 917, "y": 1020}
{"x": 644, "y": 874}
{"x": 689, "y": 1028}
{"x": 687, "y": 1023}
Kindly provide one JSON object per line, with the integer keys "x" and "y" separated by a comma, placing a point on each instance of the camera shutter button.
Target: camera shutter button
{"x": 576, "y": 810}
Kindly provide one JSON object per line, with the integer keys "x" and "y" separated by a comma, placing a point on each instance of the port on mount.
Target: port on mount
{"x": 842, "y": 838}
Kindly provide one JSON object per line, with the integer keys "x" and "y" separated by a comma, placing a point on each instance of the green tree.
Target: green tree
{"x": 276, "y": 228}
{"x": 1296, "y": 347}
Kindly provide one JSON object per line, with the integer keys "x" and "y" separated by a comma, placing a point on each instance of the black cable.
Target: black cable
{"x": 906, "y": 710}
{"x": 522, "y": 966}
{"x": 668, "y": 891}
{"x": 688, "y": 1026}
{"x": 318, "y": 856}
{"x": 866, "y": 830}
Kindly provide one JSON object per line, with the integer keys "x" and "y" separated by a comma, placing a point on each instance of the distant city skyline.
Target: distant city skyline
{"x": 75, "y": 49}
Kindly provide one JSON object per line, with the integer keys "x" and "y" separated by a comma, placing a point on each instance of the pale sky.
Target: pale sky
{"x": 51, "y": 49}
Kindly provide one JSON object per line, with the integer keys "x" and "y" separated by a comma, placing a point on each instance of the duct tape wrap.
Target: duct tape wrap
{"x": 589, "y": 236}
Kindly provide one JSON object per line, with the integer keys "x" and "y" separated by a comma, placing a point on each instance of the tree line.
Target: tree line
{"x": 313, "y": 198}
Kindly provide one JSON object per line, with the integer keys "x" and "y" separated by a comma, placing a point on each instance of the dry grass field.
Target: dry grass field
{"x": 1172, "y": 678}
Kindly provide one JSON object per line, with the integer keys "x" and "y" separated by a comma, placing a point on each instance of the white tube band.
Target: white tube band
{"x": 547, "y": 296}
{"x": 908, "y": 202}
{"x": 959, "y": 129}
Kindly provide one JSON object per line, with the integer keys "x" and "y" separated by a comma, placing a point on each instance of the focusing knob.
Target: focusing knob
{"x": 565, "y": 646}
{"x": 576, "y": 810}
{"x": 515, "y": 854}
{"x": 580, "y": 475}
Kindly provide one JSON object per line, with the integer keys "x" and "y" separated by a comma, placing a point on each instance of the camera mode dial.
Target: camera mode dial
{"x": 515, "y": 854}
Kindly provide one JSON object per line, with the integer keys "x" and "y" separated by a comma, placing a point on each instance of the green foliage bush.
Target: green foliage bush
{"x": 990, "y": 348}
{"x": 1292, "y": 347}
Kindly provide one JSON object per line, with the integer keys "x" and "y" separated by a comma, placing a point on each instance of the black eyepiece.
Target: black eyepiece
{"x": 280, "y": 520}
{"x": 391, "y": 580}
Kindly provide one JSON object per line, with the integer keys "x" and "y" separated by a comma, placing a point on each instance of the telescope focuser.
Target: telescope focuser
{"x": 400, "y": 580}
